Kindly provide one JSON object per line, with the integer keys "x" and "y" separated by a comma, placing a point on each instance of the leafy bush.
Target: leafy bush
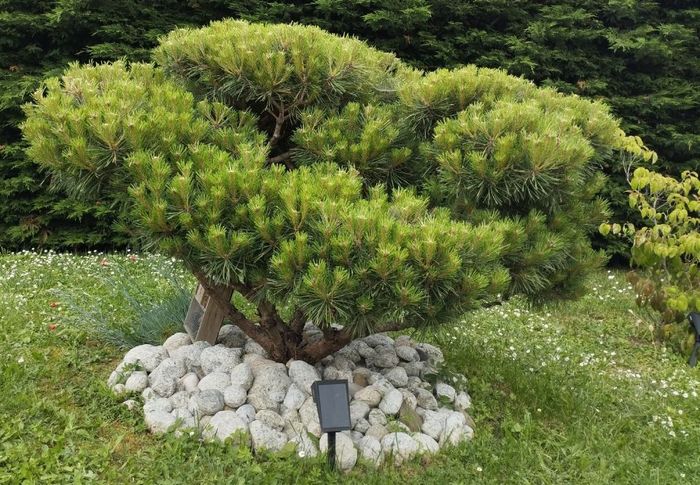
{"x": 666, "y": 249}
{"x": 257, "y": 155}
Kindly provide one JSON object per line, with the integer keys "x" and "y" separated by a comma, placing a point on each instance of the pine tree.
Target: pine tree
{"x": 323, "y": 180}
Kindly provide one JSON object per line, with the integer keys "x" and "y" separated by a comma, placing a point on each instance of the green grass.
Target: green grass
{"x": 572, "y": 393}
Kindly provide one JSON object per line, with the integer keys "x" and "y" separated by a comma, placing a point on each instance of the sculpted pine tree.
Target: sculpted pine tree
{"x": 322, "y": 180}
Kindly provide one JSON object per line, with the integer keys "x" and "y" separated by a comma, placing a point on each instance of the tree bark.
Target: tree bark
{"x": 281, "y": 340}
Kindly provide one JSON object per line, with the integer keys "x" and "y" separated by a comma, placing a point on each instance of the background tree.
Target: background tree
{"x": 639, "y": 56}
{"x": 321, "y": 179}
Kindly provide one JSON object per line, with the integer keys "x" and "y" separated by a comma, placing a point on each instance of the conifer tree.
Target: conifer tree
{"x": 323, "y": 180}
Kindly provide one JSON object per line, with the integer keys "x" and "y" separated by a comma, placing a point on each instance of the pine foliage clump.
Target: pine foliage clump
{"x": 322, "y": 179}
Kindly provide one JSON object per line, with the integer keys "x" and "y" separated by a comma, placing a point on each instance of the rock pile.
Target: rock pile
{"x": 233, "y": 390}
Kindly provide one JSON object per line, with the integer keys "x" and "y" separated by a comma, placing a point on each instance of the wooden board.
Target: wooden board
{"x": 204, "y": 317}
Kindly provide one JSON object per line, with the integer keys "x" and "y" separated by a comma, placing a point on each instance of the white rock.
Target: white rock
{"x": 219, "y": 358}
{"x": 378, "y": 339}
{"x": 176, "y": 341}
{"x": 149, "y": 394}
{"x": 413, "y": 369}
{"x": 371, "y": 450}
{"x": 159, "y": 422}
{"x": 343, "y": 363}
{"x": 397, "y": 376}
{"x": 353, "y": 389}
{"x": 234, "y": 396}
{"x": 269, "y": 387}
{"x": 426, "y": 444}
{"x": 305, "y": 447}
{"x": 409, "y": 398}
{"x": 224, "y": 424}
{"x": 377, "y": 430}
{"x": 425, "y": 399}
{"x": 270, "y": 418}
{"x": 247, "y": 413}
{"x": 380, "y": 382}
{"x": 360, "y": 375}
{"x": 203, "y": 422}
{"x": 370, "y": 394}
{"x": 189, "y": 354}
{"x": 433, "y": 424}
{"x": 429, "y": 353}
{"x": 462, "y": 401}
{"x": 403, "y": 340}
{"x": 445, "y": 392}
{"x": 364, "y": 350}
{"x": 130, "y": 404}
{"x": 385, "y": 357}
{"x": 147, "y": 356}
{"x": 350, "y": 353}
{"x": 294, "y": 398}
{"x": 163, "y": 380}
{"x": 309, "y": 417}
{"x": 216, "y": 380}
{"x": 362, "y": 426}
{"x": 264, "y": 437}
{"x": 358, "y": 411}
{"x": 180, "y": 399}
{"x": 232, "y": 336}
{"x": 303, "y": 374}
{"x": 297, "y": 434}
{"x": 453, "y": 431}
{"x": 242, "y": 375}
{"x": 414, "y": 382}
{"x": 206, "y": 403}
{"x": 400, "y": 446}
{"x": 137, "y": 382}
{"x": 252, "y": 347}
{"x": 377, "y": 416}
{"x": 185, "y": 418}
{"x": 119, "y": 374}
{"x": 119, "y": 389}
{"x": 331, "y": 373}
{"x": 407, "y": 353}
{"x": 252, "y": 358}
{"x": 188, "y": 382}
{"x": 160, "y": 404}
{"x": 345, "y": 451}
{"x": 391, "y": 403}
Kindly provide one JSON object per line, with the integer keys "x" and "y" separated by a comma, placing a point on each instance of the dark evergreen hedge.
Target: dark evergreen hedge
{"x": 641, "y": 56}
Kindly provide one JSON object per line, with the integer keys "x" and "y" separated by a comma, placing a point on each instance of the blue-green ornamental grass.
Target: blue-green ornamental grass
{"x": 572, "y": 393}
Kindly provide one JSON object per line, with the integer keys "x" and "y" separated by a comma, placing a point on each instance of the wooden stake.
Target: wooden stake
{"x": 205, "y": 316}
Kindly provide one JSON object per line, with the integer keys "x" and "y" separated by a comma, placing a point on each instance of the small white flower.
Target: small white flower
{"x": 20, "y": 360}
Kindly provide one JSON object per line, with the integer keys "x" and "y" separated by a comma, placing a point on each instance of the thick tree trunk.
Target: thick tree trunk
{"x": 281, "y": 340}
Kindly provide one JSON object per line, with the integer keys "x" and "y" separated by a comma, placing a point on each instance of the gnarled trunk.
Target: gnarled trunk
{"x": 282, "y": 340}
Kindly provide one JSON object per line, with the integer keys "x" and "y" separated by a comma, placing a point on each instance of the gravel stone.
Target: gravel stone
{"x": 400, "y": 446}
{"x": 391, "y": 403}
{"x": 234, "y": 396}
{"x": 345, "y": 451}
{"x": 216, "y": 380}
{"x": 242, "y": 375}
{"x": 176, "y": 341}
{"x": 264, "y": 437}
{"x": 147, "y": 356}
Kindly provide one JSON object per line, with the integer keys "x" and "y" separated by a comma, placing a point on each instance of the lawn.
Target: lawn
{"x": 575, "y": 392}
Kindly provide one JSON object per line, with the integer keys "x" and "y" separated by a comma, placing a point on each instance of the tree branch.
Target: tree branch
{"x": 282, "y": 158}
{"x": 279, "y": 123}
